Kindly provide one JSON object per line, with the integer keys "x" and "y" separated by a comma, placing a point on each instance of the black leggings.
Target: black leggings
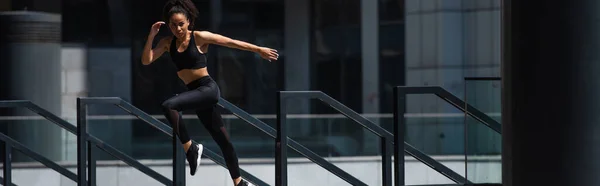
{"x": 202, "y": 96}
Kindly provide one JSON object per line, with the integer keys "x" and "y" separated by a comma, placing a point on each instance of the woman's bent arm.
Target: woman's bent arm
{"x": 150, "y": 55}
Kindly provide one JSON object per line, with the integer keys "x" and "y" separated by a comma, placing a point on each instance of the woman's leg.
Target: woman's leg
{"x": 171, "y": 107}
{"x": 203, "y": 99}
{"x": 212, "y": 121}
{"x": 176, "y": 121}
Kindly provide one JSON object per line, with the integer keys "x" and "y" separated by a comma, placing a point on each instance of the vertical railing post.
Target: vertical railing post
{"x": 81, "y": 142}
{"x": 178, "y": 158}
{"x": 181, "y": 162}
{"x": 92, "y": 164}
{"x": 399, "y": 127}
{"x": 281, "y": 142}
{"x": 178, "y": 161}
{"x": 466, "y": 131}
{"x": 386, "y": 161}
{"x": 6, "y": 160}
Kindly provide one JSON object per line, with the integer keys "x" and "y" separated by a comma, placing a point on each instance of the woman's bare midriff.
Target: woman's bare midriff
{"x": 189, "y": 75}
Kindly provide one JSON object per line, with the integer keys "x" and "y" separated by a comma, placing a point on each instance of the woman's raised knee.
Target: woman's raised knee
{"x": 169, "y": 104}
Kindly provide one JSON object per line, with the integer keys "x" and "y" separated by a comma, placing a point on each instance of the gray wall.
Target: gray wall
{"x": 74, "y": 84}
{"x": 96, "y": 72}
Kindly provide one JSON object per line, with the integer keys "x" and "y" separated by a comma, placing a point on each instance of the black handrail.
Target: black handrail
{"x": 387, "y": 139}
{"x": 10, "y": 143}
{"x": 282, "y": 138}
{"x": 400, "y": 93}
{"x": 96, "y": 142}
{"x": 454, "y": 101}
{"x": 179, "y": 169}
{"x": 314, "y": 157}
{"x": 86, "y": 141}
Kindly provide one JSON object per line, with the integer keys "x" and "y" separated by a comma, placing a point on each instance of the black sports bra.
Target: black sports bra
{"x": 190, "y": 58}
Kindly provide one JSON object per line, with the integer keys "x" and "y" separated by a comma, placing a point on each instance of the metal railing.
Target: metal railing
{"x": 400, "y": 93}
{"x": 178, "y": 156}
{"x": 86, "y": 141}
{"x": 9, "y": 144}
{"x": 388, "y": 142}
{"x": 490, "y": 85}
{"x": 314, "y": 157}
{"x": 282, "y": 138}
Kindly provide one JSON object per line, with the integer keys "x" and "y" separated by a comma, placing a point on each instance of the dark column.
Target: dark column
{"x": 551, "y": 93}
{"x": 30, "y": 70}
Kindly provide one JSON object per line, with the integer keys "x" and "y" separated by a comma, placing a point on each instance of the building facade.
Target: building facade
{"x": 356, "y": 51}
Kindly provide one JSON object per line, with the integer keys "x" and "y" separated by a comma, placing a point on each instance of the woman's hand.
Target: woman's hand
{"x": 268, "y": 54}
{"x": 155, "y": 28}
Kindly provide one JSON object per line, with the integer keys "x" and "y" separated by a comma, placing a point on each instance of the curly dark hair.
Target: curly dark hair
{"x": 186, "y": 7}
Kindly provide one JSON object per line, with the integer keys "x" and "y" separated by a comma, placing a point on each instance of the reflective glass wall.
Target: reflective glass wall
{"x": 417, "y": 43}
{"x": 483, "y": 144}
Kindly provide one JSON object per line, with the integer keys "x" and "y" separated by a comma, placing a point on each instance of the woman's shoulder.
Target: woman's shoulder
{"x": 201, "y": 33}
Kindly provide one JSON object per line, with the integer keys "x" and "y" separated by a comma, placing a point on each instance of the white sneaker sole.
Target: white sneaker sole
{"x": 250, "y": 184}
{"x": 200, "y": 149}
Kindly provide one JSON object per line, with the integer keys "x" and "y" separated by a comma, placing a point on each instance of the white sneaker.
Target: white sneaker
{"x": 193, "y": 156}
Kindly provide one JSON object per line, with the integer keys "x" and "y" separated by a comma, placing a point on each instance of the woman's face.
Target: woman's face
{"x": 179, "y": 25}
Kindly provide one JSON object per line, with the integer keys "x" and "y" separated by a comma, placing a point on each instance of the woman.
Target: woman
{"x": 188, "y": 49}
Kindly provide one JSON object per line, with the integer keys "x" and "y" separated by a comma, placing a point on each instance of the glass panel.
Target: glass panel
{"x": 115, "y": 130}
{"x": 436, "y": 128}
{"x": 484, "y": 145}
{"x": 34, "y": 132}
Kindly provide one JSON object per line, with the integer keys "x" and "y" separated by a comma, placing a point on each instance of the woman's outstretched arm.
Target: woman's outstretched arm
{"x": 217, "y": 39}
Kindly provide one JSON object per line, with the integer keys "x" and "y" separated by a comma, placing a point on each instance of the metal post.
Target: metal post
{"x": 81, "y": 142}
{"x": 6, "y": 150}
{"x": 178, "y": 161}
{"x": 178, "y": 157}
{"x": 175, "y": 156}
{"x": 399, "y": 127}
{"x": 466, "y": 131}
{"x": 181, "y": 163}
{"x": 281, "y": 143}
{"x": 386, "y": 161}
{"x": 92, "y": 164}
